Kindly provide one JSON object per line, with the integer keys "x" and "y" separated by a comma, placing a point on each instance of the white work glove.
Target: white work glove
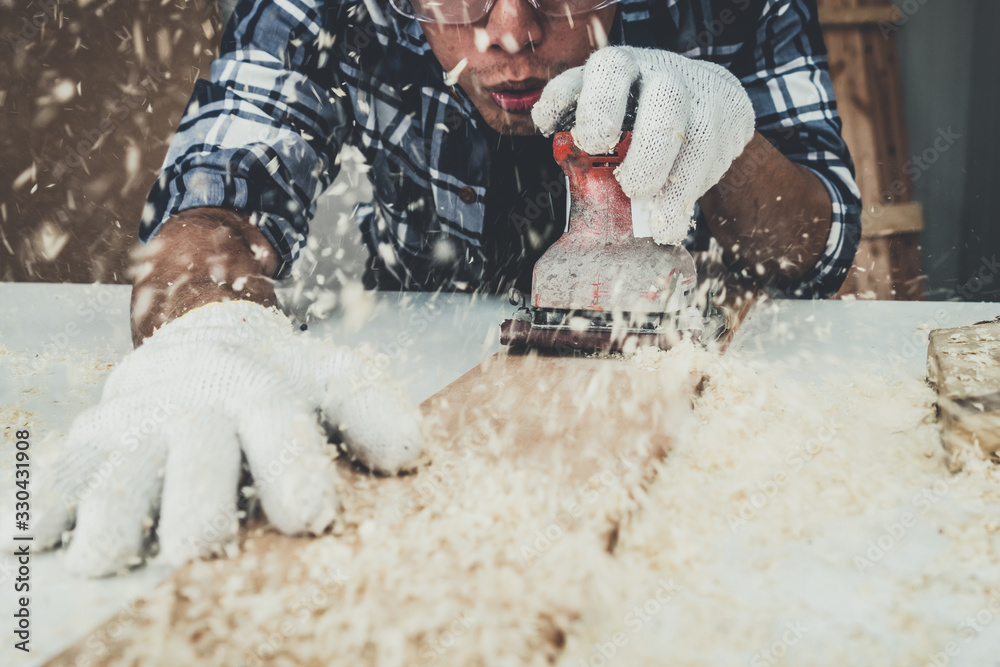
{"x": 693, "y": 119}
{"x": 174, "y": 417}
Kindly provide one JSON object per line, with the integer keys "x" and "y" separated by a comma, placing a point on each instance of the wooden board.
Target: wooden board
{"x": 841, "y": 17}
{"x": 963, "y": 363}
{"x": 892, "y": 219}
{"x": 577, "y": 427}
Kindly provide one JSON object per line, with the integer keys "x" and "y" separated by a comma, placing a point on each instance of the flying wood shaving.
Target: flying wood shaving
{"x": 451, "y": 77}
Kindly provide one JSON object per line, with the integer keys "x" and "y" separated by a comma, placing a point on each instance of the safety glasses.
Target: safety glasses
{"x": 463, "y": 12}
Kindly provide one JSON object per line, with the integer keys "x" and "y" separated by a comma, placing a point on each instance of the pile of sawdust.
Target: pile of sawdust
{"x": 790, "y": 524}
{"x": 811, "y": 522}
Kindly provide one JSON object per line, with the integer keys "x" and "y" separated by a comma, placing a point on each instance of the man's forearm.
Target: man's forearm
{"x": 200, "y": 256}
{"x": 770, "y": 215}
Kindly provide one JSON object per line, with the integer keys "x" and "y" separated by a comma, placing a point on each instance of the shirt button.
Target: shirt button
{"x": 467, "y": 195}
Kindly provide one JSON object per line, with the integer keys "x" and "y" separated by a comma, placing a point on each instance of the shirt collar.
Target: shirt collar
{"x": 406, "y": 30}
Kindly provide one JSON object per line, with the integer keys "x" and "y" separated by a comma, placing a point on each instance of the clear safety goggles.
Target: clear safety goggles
{"x": 464, "y": 12}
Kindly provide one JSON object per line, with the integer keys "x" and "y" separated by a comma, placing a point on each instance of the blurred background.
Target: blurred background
{"x": 91, "y": 91}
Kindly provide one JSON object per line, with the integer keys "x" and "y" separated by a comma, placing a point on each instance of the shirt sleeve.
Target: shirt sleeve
{"x": 262, "y": 134}
{"x": 789, "y": 85}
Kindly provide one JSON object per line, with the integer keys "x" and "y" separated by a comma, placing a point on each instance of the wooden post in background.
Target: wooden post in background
{"x": 860, "y": 38}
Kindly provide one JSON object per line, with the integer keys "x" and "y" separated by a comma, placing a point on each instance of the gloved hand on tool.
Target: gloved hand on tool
{"x": 175, "y": 416}
{"x": 692, "y": 120}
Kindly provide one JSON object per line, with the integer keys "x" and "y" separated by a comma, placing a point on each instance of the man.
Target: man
{"x": 735, "y": 127}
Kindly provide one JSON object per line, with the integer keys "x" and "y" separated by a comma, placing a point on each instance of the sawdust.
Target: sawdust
{"x": 46, "y": 390}
{"x": 779, "y": 523}
{"x": 823, "y": 506}
{"x": 12, "y": 418}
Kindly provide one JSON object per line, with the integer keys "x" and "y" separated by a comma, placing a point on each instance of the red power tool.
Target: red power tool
{"x": 600, "y": 286}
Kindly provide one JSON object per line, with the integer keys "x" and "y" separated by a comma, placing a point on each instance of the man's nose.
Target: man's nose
{"x": 514, "y": 25}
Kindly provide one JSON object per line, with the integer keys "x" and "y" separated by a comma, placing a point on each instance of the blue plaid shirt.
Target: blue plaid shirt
{"x": 297, "y": 79}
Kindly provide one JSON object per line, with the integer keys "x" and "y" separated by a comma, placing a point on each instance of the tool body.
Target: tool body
{"x": 600, "y": 286}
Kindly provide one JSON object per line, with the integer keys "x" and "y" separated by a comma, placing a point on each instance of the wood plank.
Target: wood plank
{"x": 886, "y": 220}
{"x": 963, "y": 364}
{"x": 889, "y": 118}
{"x": 853, "y": 17}
{"x": 572, "y": 425}
{"x": 854, "y": 102}
{"x": 584, "y": 431}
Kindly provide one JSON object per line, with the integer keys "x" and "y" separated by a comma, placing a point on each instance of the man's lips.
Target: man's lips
{"x": 516, "y": 101}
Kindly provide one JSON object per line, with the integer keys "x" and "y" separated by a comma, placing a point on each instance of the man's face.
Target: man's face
{"x": 512, "y": 53}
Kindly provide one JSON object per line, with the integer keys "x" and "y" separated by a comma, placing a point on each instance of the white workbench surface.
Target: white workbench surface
{"x": 429, "y": 340}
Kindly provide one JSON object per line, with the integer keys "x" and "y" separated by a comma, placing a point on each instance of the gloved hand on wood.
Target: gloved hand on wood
{"x": 692, "y": 120}
{"x": 223, "y": 381}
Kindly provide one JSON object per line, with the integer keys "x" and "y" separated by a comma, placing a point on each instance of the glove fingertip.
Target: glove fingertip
{"x": 49, "y": 527}
{"x": 292, "y": 467}
{"x": 84, "y": 560}
{"x": 392, "y": 457}
{"x": 219, "y": 538}
{"x": 635, "y": 181}
{"x": 673, "y": 221}
{"x": 546, "y": 116}
{"x": 558, "y": 96}
{"x": 382, "y": 430}
{"x": 311, "y": 517}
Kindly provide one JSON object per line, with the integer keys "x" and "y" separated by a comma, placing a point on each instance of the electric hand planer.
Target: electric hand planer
{"x": 605, "y": 285}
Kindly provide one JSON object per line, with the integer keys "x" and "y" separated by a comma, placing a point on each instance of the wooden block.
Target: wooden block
{"x": 964, "y": 366}
{"x": 886, "y": 220}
